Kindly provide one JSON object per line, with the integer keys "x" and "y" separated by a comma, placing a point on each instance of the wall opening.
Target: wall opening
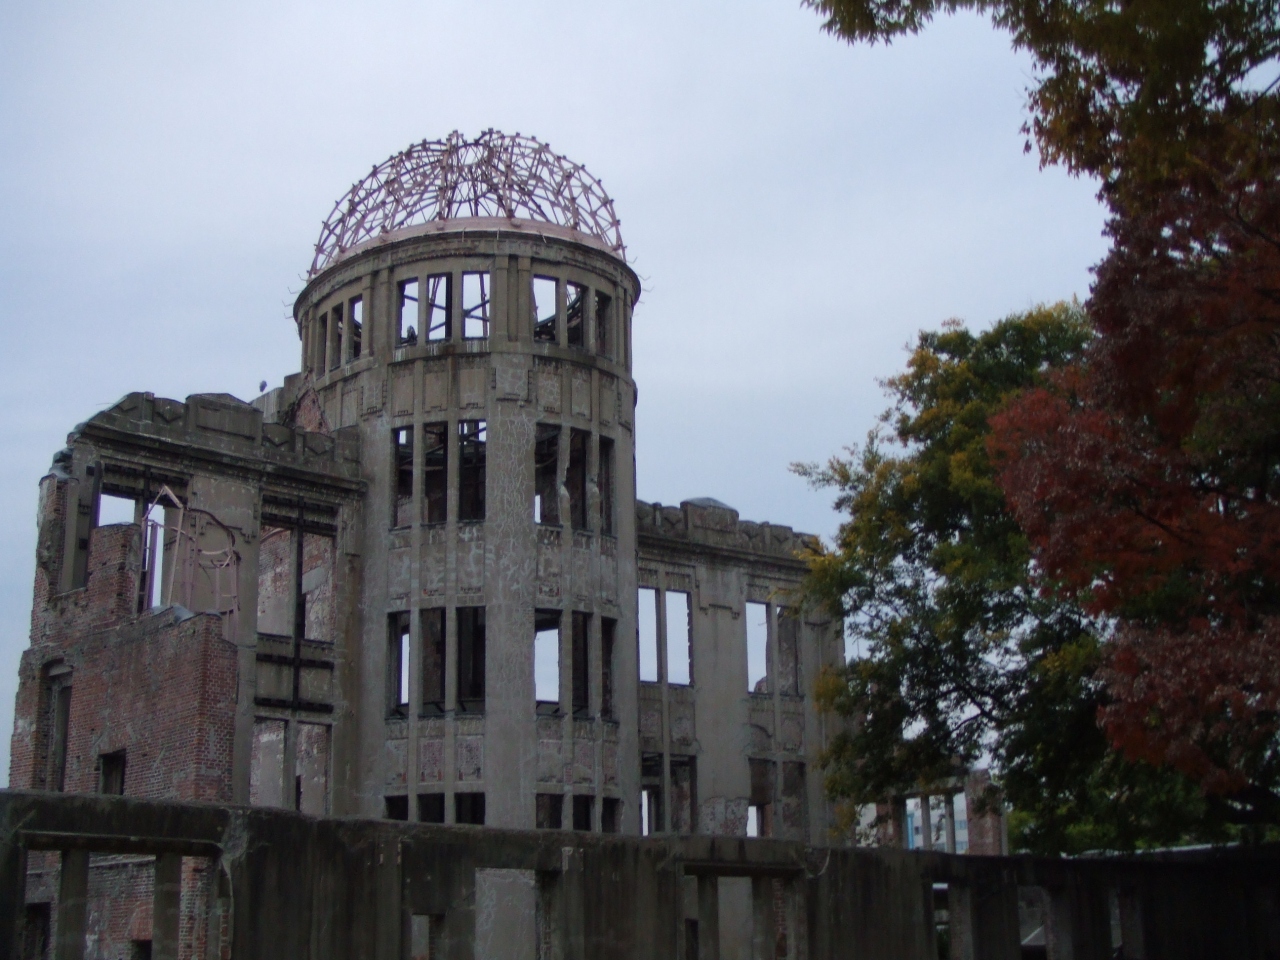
{"x": 546, "y": 468}
{"x": 435, "y": 472}
{"x": 679, "y": 649}
{"x": 549, "y": 812}
{"x": 575, "y": 310}
{"x": 266, "y": 763}
{"x": 53, "y": 725}
{"x": 322, "y": 342}
{"x": 608, "y": 632}
{"x": 433, "y": 661}
{"x": 396, "y": 807}
{"x": 647, "y": 633}
{"x": 407, "y": 313}
{"x": 684, "y": 793}
{"x": 336, "y": 331}
{"x": 582, "y": 807}
{"x": 611, "y": 815}
{"x": 111, "y": 770}
{"x": 431, "y": 807}
{"x": 356, "y": 311}
{"x": 546, "y": 661}
{"x": 311, "y": 769}
{"x": 439, "y": 302}
{"x": 402, "y": 454}
{"x": 471, "y": 469}
{"x": 604, "y": 323}
{"x": 398, "y": 628}
{"x": 651, "y": 820}
{"x": 576, "y": 478}
{"x": 544, "y": 309}
{"x": 758, "y": 647}
{"x": 580, "y": 665}
{"x": 475, "y": 306}
{"x": 468, "y": 808}
{"x": 113, "y": 509}
{"x": 763, "y": 789}
{"x": 606, "y": 481}
{"x": 471, "y": 642}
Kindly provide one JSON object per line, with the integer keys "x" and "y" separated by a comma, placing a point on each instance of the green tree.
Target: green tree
{"x": 960, "y": 655}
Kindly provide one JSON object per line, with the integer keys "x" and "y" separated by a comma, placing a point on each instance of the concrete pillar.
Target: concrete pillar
{"x": 708, "y": 918}
{"x": 926, "y": 823}
{"x": 73, "y": 892}
{"x": 949, "y": 811}
{"x": 960, "y": 911}
{"x": 166, "y": 907}
{"x": 763, "y": 921}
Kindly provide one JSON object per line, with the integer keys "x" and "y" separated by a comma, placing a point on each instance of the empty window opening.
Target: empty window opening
{"x": 546, "y": 470}
{"x": 604, "y": 324}
{"x": 684, "y": 793}
{"x": 471, "y": 659}
{"x": 398, "y": 664}
{"x": 576, "y": 478}
{"x": 439, "y": 303}
{"x": 763, "y": 788}
{"x": 575, "y": 315}
{"x": 53, "y": 726}
{"x": 546, "y": 660}
{"x": 606, "y": 486}
{"x": 335, "y": 331}
{"x": 651, "y": 820}
{"x": 608, "y": 630}
{"x": 111, "y": 774}
{"x": 402, "y": 453}
{"x": 549, "y": 811}
{"x": 311, "y": 769}
{"x": 582, "y": 811}
{"x": 471, "y": 469}
{"x": 150, "y": 587}
{"x": 112, "y": 510}
{"x": 408, "y": 313}
{"x": 580, "y": 666}
{"x": 758, "y": 647}
{"x": 431, "y": 807}
{"x": 397, "y": 808}
{"x": 322, "y": 342}
{"x": 647, "y": 632}
{"x": 611, "y": 815}
{"x": 435, "y": 472}
{"x": 356, "y": 311}
{"x": 468, "y": 808}
{"x": 140, "y": 950}
{"x": 679, "y": 651}
{"x": 475, "y": 305}
{"x": 544, "y": 310}
{"x": 788, "y": 624}
{"x": 433, "y": 660}
{"x": 34, "y": 942}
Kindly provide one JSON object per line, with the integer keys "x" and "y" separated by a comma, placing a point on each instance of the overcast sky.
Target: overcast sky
{"x": 796, "y": 209}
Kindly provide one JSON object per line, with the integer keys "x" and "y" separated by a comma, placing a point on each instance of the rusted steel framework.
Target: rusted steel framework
{"x": 494, "y": 175}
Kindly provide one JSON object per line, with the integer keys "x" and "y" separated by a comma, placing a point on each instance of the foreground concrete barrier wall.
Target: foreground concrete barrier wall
{"x": 344, "y": 889}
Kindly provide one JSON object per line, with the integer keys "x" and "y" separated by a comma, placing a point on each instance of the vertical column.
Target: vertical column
{"x": 926, "y": 824}
{"x": 708, "y": 918}
{"x": 660, "y": 597}
{"x": 167, "y": 900}
{"x": 949, "y": 811}
{"x": 763, "y": 922}
{"x": 73, "y": 891}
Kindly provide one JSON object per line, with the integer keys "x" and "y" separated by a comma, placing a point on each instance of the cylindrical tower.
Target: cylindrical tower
{"x": 469, "y": 313}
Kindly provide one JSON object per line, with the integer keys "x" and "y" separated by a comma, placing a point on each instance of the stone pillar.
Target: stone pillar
{"x": 166, "y": 904}
{"x": 949, "y": 811}
{"x": 73, "y": 891}
{"x": 926, "y": 824}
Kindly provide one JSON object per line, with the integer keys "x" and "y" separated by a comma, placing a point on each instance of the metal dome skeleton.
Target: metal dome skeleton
{"x": 494, "y": 175}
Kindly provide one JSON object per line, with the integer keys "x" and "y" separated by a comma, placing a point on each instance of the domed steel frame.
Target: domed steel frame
{"x": 494, "y": 175}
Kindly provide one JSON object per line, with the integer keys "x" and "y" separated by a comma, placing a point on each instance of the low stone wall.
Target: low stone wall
{"x": 331, "y": 889}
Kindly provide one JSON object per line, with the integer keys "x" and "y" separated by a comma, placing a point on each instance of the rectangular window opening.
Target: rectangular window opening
{"x": 575, "y": 311}
{"x": 113, "y": 510}
{"x": 647, "y": 633}
{"x": 398, "y": 664}
{"x": 604, "y": 322}
{"x": 322, "y": 342}
{"x": 679, "y": 650}
{"x": 576, "y": 478}
{"x": 546, "y": 468}
{"x": 435, "y": 472}
{"x": 475, "y": 306}
{"x": 113, "y": 767}
{"x": 355, "y": 310}
{"x": 408, "y": 313}
{"x": 758, "y": 647}
{"x": 684, "y": 793}
{"x": 402, "y": 452}
{"x": 580, "y": 665}
{"x": 651, "y": 820}
{"x": 582, "y": 811}
{"x": 471, "y": 469}
{"x": 468, "y": 808}
{"x": 606, "y": 486}
{"x": 433, "y": 660}
{"x": 546, "y": 661}
{"x": 431, "y": 807}
{"x": 397, "y": 808}
{"x": 335, "y": 360}
{"x": 544, "y": 310}
{"x": 611, "y": 815}
{"x": 439, "y": 304}
{"x": 608, "y": 629}
{"x": 763, "y": 788}
{"x": 549, "y": 811}
{"x": 471, "y": 641}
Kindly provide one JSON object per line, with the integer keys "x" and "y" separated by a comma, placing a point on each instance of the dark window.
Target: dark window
{"x": 604, "y": 321}
{"x": 684, "y": 794}
{"x": 475, "y": 305}
{"x": 471, "y": 659}
{"x": 546, "y": 470}
{"x": 544, "y": 309}
{"x": 651, "y": 819}
{"x": 471, "y": 469}
{"x": 431, "y": 807}
{"x": 575, "y": 314}
{"x": 433, "y": 660}
{"x": 435, "y": 471}
{"x": 576, "y": 478}
{"x": 606, "y": 486}
{"x": 468, "y": 808}
{"x": 611, "y": 816}
{"x": 608, "y": 631}
{"x": 402, "y": 452}
{"x": 439, "y": 305}
{"x": 580, "y": 666}
{"x": 112, "y": 773}
{"x": 34, "y": 943}
{"x": 546, "y": 661}
{"x": 140, "y": 950}
{"x": 53, "y": 728}
{"x": 335, "y": 358}
{"x": 398, "y": 664}
{"x": 582, "y": 812}
{"x": 397, "y": 808}
{"x": 356, "y": 311}
{"x": 549, "y": 811}
{"x": 763, "y": 788}
{"x": 322, "y": 342}
{"x": 408, "y": 313}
